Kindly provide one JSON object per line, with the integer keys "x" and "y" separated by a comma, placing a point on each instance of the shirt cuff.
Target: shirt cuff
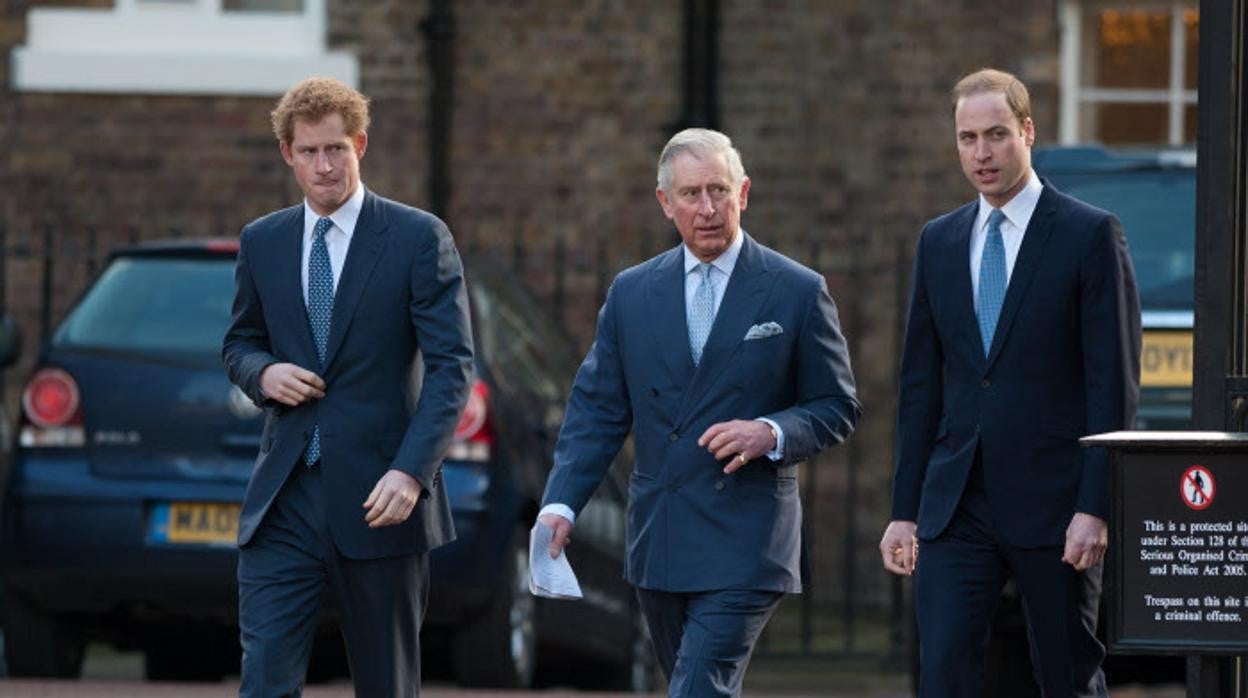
{"x": 559, "y": 509}
{"x": 777, "y": 453}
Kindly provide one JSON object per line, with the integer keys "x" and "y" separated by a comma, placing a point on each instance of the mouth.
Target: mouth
{"x": 987, "y": 174}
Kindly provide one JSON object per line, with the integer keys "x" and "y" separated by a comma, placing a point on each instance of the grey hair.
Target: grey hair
{"x": 700, "y": 143}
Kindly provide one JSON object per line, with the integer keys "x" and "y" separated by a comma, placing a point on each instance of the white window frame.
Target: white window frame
{"x": 184, "y": 47}
{"x": 1074, "y": 95}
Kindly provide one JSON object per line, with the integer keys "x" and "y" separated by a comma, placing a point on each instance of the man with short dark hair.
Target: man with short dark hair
{"x": 1023, "y": 335}
{"x": 335, "y": 299}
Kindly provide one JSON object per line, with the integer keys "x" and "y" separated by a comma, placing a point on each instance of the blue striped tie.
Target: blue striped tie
{"x": 320, "y": 309}
{"x": 991, "y": 280}
{"x": 701, "y": 313}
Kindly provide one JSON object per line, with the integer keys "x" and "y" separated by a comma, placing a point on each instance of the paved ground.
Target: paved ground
{"x": 105, "y": 688}
{"x": 112, "y": 675}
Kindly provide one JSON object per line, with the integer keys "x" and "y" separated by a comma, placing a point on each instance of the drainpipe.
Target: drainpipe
{"x": 701, "y": 65}
{"x": 439, "y": 30}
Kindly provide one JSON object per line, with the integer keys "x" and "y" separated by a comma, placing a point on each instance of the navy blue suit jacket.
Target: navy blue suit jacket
{"x": 1064, "y": 363}
{"x": 400, "y": 292}
{"x": 689, "y": 526}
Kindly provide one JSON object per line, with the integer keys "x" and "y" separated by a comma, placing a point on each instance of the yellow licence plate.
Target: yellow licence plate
{"x": 1167, "y": 359}
{"x": 211, "y": 523}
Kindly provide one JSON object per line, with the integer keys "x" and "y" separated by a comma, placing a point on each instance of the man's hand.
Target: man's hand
{"x": 1087, "y": 537}
{"x": 741, "y": 440}
{"x": 899, "y": 548}
{"x": 392, "y": 499}
{"x": 291, "y": 385}
{"x": 563, "y": 532}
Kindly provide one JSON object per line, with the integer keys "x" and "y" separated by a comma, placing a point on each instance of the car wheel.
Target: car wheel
{"x": 37, "y": 644}
{"x": 499, "y": 648}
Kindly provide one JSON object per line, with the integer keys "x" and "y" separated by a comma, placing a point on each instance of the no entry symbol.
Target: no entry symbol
{"x": 1197, "y": 487}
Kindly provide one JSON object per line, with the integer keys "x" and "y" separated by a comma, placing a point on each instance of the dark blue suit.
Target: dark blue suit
{"x": 691, "y": 528}
{"x": 988, "y": 462}
{"x": 401, "y": 292}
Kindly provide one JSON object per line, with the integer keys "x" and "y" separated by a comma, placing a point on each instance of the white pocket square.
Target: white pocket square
{"x": 764, "y": 330}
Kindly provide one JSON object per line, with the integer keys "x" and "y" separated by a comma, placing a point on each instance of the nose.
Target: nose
{"x": 982, "y": 151}
{"x": 322, "y": 162}
{"x": 706, "y": 206}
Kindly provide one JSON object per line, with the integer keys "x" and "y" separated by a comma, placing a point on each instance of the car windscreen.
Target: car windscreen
{"x": 173, "y": 307}
{"x": 1157, "y": 208}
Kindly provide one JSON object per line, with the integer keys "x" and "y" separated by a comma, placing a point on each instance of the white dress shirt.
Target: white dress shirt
{"x": 337, "y": 238}
{"x": 1017, "y": 215}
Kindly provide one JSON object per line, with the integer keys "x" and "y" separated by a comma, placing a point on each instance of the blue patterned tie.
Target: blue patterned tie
{"x": 320, "y": 308}
{"x": 991, "y": 280}
{"x": 701, "y": 313}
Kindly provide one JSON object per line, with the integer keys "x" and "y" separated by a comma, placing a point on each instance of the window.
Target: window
{"x": 238, "y": 47}
{"x": 154, "y": 306}
{"x": 1129, "y": 71}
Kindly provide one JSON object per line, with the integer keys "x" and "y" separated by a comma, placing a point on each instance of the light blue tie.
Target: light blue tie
{"x": 991, "y": 280}
{"x": 701, "y": 313}
{"x": 320, "y": 309}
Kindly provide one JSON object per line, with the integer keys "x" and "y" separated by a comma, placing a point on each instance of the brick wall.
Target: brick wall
{"x": 839, "y": 108}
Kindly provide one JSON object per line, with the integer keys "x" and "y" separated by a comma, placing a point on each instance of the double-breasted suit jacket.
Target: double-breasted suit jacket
{"x": 775, "y": 351}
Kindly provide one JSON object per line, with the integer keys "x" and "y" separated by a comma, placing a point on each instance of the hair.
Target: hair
{"x": 992, "y": 80}
{"x": 315, "y": 98}
{"x": 700, "y": 143}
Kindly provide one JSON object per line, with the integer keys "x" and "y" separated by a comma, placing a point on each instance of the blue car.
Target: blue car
{"x": 121, "y": 506}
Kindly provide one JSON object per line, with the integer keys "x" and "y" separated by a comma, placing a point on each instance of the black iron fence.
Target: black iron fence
{"x": 851, "y": 610}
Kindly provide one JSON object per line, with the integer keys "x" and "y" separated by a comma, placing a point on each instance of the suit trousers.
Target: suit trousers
{"x": 284, "y": 572}
{"x": 958, "y": 581}
{"x": 704, "y": 640}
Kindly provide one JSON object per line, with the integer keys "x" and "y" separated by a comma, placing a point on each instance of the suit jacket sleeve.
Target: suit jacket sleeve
{"x": 246, "y": 350}
{"x": 440, "y": 316}
{"x": 827, "y": 407}
{"x": 598, "y": 418}
{"x": 1110, "y": 330}
{"x": 920, "y": 395}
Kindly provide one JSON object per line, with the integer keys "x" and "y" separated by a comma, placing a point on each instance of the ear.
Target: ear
{"x": 744, "y": 196}
{"x": 287, "y": 154}
{"x": 360, "y": 140}
{"x": 1029, "y": 132}
{"x": 663, "y": 202}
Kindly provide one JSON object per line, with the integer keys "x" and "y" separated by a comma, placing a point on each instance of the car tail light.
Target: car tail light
{"x": 474, "y": 434}
{"x": 51, "y": 413}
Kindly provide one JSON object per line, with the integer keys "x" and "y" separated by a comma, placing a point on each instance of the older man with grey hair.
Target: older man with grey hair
{"x": 726, "y": 362}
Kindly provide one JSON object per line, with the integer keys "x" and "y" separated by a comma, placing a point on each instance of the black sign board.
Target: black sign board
{"x": 1177, "y": 571}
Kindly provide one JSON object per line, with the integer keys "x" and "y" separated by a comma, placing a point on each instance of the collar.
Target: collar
{"x": 344, "y": 218}
{"x": 725, "y": 262}
{"x": 1017, "y": 210}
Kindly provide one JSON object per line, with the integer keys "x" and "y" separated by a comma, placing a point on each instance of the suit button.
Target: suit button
{"x": 985, "y": 383}
{"x": 719, "y": 485}
{"x": 673, "y": 437}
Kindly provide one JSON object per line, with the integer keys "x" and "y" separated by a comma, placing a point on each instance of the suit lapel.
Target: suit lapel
{"x": 666, "y": 297}
{"x": 289, "y": 272}
{"x": 367, "y": 242}
{"x": 744, "y": 296}
{"x": 958, "y": 269}
{"x": 1029, "y": 256}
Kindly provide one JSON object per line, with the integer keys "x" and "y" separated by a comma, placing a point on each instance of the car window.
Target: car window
{"x": 523, "y": 345}
{"x": 1158, "y": 211}
{"x": 154, "y": 306}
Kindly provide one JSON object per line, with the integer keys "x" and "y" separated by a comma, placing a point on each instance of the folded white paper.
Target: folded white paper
{"x": 552, "y": 579}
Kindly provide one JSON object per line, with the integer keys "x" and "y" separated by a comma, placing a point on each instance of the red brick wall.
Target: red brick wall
{"x": 839, "y": 108}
